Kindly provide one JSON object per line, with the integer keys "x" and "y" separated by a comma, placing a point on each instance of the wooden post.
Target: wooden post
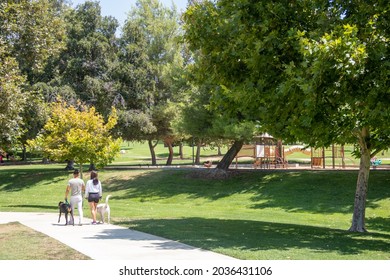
{"x": 323, "y": 157}
{"x": 311, "y": 158}
{"x": 333, "y": 159}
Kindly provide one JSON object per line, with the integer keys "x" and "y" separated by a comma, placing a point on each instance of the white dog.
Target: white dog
{"x": 103, "y": 208}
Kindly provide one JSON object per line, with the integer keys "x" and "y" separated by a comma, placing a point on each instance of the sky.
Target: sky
{"x": 120, "y": 8}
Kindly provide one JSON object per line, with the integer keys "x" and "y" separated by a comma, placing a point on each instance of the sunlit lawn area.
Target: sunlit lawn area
{"x": 253, "y": 215}
{"x": 135, "y": 153}
{"x": 138, "y": 154}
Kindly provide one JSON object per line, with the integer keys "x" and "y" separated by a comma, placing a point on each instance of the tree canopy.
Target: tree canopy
{"x": 150, "y": 53}
{"x": 83, "y": 70}
{"x": 31, "y": 33}
{"x": 34, "y": 33}
{"x": 309, "y": 71}
{"x": 75, "y": 53}
{"x": 12, "y": 100}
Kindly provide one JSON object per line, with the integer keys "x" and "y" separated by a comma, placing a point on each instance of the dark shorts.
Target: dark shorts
{"x": 93, "y": 197}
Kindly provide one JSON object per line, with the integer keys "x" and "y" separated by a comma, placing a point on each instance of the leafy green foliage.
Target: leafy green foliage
{"x": 78, "y": 134}
{"x": 12, "y": 100}
{"x": 148, "y": 55}
{"x": 83, "y": 69}
{"x": 309, "y": 71}
{"x": 31, "y": 33}
{"x": 34, "y": 32}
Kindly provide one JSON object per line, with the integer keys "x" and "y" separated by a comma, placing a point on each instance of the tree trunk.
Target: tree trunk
{"x": 69, "y": 165}
{"x": 24, "y": 153}
{"x": 359, "y": 212}
{"x": 181, "y": 151}
{"x": 230, "y": 155}
{"x": 91, "y": 167}
{"x": 152, "y": 152}
{"x": 198, "y": 147}
{"x": 170, "y": 149}
{"x": 81, "y": 170}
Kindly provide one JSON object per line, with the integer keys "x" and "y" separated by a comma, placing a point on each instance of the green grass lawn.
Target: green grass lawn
{"x": 135, "y": 153}
{"x": 253, "y": 215}
{"x": 138, "y": 154}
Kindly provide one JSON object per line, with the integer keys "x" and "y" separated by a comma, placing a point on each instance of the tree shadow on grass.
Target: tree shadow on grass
{"x": 378, "y": 223}
{"x": 254, "y": 236}
{"x": 14, "y": 180}
{"x": 306, "y": 191}
{"x": 54, "y": 207}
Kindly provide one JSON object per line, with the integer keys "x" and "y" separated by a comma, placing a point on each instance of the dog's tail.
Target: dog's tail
{"x": 107, "y": 197}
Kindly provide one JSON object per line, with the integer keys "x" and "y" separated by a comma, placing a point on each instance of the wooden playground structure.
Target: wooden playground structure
{"x": 267, "y": 152}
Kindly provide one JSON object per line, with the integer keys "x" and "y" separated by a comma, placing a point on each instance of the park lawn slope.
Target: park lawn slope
{"x": 252, "y": 215}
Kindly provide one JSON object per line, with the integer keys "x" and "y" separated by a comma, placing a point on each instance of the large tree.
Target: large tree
{"x": 12, "y": 100}
{"x": 31, "y": 33}
{"x": 195, "y": 119}
{"x": 208, "y": 124}
{"x": 312, "y": 71}
{"x": 83, "y": 69}
{"x": 78, "y": 133}
{"x": 148, "y": 54}
{"x": 344, "y": 80}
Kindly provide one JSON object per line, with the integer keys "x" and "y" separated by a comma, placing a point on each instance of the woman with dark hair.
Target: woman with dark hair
{"x": 93, "y": 192}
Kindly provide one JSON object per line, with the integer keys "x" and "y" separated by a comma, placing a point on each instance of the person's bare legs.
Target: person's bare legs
{"x": 92, "y": 206}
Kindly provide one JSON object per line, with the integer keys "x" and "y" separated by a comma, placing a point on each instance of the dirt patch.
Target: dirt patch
{"x": 216, "y": 174}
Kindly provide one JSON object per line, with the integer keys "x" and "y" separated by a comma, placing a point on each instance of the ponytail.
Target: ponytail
{"x": 94, "y": 177}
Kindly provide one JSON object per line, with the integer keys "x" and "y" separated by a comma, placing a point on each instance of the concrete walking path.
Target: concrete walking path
{"x": 109, "y": 242}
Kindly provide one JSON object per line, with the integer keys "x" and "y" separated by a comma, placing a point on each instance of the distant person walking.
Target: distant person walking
{"x": 93, "y": 193}
{"x": 76, "y": 187}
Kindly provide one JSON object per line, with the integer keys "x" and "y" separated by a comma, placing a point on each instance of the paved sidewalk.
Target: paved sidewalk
{"x": 109, "y": 242}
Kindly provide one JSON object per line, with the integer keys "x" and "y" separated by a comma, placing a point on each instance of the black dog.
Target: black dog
{"x": 66, "y": 209}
